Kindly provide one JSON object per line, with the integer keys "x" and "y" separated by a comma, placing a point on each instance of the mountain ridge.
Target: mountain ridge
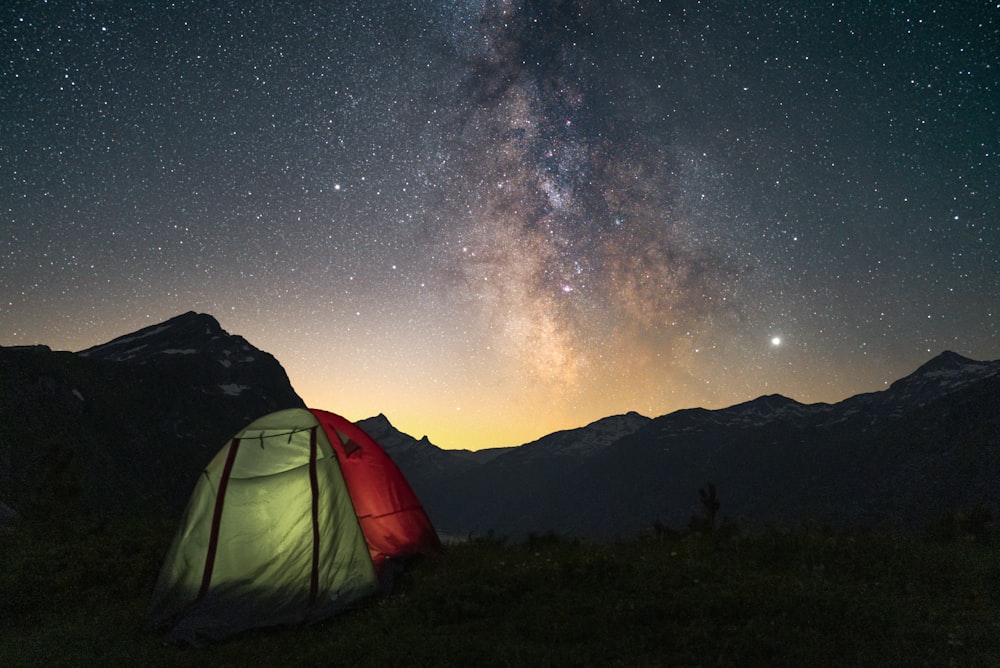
{"x": 927, "y": 443}
{"x": 879, "y": 457}
{"x": 128, "y": 425}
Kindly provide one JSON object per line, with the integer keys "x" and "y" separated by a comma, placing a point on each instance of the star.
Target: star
{"x": 530, "y": 216}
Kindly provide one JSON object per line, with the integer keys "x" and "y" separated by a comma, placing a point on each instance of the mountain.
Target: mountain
{"x": 128, "y": 425}
{"x": 928, "y": 445}
{"x": 473, "y": 492}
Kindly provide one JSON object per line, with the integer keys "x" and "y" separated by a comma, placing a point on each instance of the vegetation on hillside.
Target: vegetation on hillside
{"x": 805, "y": 597}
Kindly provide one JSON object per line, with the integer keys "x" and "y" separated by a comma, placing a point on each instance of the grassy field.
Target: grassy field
{"x": 807, "y": 597}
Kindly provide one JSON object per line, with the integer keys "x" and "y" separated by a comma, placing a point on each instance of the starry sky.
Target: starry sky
{"x": 493, "y": 219}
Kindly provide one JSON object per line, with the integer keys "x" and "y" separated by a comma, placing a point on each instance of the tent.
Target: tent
{"x": 298, "y": 517}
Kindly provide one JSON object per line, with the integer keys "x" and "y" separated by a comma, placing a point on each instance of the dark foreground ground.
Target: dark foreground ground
{"x": 805, "y": 597}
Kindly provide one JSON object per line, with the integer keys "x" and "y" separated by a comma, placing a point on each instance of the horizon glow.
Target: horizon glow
{"x": 490, "y": 221}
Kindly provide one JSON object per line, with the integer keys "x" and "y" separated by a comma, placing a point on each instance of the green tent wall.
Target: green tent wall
{"x": 291, "y": 522}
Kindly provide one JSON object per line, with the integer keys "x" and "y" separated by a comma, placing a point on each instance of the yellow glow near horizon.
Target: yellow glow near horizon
{"x": 483, "y": 393}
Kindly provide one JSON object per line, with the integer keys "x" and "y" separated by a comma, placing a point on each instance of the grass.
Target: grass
{"x": 806, "y": 597}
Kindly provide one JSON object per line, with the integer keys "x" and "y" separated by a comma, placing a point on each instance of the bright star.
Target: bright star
{"x": 775, "y": 340}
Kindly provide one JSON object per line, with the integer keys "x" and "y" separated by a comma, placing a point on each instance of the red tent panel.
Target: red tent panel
{"x": 392, "y": 519}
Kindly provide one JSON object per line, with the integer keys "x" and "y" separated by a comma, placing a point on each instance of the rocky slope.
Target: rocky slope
{"x": 926, "y": 446}
{"x": 127, "y": 426}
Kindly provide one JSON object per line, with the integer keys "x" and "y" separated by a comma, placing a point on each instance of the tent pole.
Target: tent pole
{"x": 213, "y": 541}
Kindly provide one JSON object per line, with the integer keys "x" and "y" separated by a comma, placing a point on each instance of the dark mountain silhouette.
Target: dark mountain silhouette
{"x": 477, "y": 491}
{"x": 926, "y": 446}
{"x": 127, "y": 426}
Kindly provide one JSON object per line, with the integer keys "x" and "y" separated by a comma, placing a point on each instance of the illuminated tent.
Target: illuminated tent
{"x": 292, "y": 521}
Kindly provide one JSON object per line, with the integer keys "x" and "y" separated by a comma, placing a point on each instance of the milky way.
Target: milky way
{"x": 575, "y": 246}
{"x": 492, "y": 220}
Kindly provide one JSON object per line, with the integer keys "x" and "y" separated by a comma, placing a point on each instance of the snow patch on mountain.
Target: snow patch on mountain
{"x": 113, "y": 349}
{"x": 583, "y": 441}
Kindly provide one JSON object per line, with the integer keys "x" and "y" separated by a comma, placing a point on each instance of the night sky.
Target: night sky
{"x": 490, "y": 220}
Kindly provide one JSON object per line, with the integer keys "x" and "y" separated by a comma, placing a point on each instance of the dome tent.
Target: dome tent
{"x": 292, "y": 521}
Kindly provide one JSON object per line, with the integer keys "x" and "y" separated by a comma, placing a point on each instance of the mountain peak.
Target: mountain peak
{"x": 946, "y": 372}
{"x": 767, "y": 403}
{"x": 762, "y": 409}
{"x": 946, "y": 365}
{"x": 776, "y": 400}
{"x": 188, "y": 331}
{"x": 195, "y": 344}
{"x": 946, "y": 361}
{"x": 383, "y": 431}
{"x": 188, "y": 386}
